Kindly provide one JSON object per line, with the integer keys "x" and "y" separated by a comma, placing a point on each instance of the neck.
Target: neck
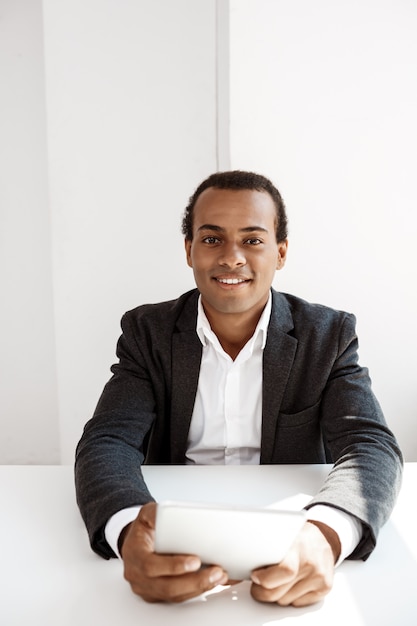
{"x": 233, "y": 330}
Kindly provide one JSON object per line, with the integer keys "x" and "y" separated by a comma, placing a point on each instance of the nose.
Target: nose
{"x": 231, "y": 256}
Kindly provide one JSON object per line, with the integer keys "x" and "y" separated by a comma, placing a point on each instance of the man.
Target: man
{"x": 235, "y": 372}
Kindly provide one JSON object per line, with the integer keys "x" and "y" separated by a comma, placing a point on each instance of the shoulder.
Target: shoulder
{"x": 161, "y": 316}
{"x": 309, "y": 317}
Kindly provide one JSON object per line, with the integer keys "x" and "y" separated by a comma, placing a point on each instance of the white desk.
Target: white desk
{"x": 50, "y": 577}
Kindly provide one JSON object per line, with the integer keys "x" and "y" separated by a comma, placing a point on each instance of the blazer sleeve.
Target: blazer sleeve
{"x": 366, "y": 476}
{"x": 110, "y": 453}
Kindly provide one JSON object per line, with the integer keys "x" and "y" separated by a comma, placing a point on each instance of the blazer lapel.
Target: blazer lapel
{"x": 278, "y": 358}
{"x": 186, "y": 360}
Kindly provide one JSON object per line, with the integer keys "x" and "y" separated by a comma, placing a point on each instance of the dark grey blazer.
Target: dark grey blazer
{"x": 317, "y": 407}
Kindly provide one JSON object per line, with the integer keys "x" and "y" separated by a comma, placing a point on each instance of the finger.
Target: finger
{"x": 309, "y": 598}
{"x": 262, "y": 594}
{"x": 179, "y": 588}
{"x": 301, "y": 591}
{"x": 147, "y": 514}
{"x": 203, "y": 581}
{"x": 139, "y": 535}
{"x": 271, "y": 586}
{"x": 286, "y": 596}
{"x": 306, "y": 591}
{"x": 284, "y": 573}
{"x": 158, "y": 565}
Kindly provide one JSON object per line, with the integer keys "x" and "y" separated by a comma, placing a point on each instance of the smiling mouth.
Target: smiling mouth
{"x": 232, "y": 281}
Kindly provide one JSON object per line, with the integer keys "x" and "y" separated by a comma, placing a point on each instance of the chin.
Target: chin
{"x": 232, "y": 307}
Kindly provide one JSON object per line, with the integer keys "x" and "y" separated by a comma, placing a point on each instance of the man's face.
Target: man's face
{"x": 234, "y": 252}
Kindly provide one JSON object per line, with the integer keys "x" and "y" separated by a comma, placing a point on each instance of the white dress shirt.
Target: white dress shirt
{"x": 226, "y": 422}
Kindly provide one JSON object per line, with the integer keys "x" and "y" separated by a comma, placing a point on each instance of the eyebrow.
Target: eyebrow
{"x": 219, "y": 229}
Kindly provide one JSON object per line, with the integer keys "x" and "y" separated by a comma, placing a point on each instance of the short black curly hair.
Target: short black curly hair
{"x": 235, "y": 180}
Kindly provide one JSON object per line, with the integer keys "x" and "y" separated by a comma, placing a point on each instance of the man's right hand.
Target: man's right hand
{"x": 162, "y": 578}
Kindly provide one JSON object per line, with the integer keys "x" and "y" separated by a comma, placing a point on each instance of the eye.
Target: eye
{"x": 211, "y": 240}
{"x": 253, "y": 241}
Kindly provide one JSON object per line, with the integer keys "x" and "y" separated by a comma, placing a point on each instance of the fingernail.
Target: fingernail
{"x": 192, "y": 565}
{"x": 217, "y": 575}
{"x": 255, "y": 579}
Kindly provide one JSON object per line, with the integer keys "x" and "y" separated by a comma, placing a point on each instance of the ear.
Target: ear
{"x": 187, "y": 245}
{"x": 282, "y": 254}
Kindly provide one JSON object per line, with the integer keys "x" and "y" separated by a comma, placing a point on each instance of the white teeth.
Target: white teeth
{"x": 231, "y": 281}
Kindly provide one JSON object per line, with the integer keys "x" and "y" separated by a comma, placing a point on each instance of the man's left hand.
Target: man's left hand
{"x": 306, "y": 574}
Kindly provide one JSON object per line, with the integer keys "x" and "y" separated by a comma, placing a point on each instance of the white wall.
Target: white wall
{"x": 28, "y": 397}
{"x": 131, "y": 126}
{"x": 97, "y": 165}
{"x": 131, "y": 96}
{"x": 324, "y": 100}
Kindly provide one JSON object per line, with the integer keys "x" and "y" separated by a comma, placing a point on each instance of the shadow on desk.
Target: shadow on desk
{"x": 383, "y": 589}
{"x": 232, "y": 606}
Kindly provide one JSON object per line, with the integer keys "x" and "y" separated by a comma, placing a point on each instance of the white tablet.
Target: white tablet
{"x": 238, "y": 539}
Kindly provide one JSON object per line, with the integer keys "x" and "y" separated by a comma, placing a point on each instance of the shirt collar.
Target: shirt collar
{"x": 205, "y": 333}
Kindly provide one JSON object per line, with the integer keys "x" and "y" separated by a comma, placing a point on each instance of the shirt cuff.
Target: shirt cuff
{"x": 348, "y": 528}
{"x": 115, "y": 525}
